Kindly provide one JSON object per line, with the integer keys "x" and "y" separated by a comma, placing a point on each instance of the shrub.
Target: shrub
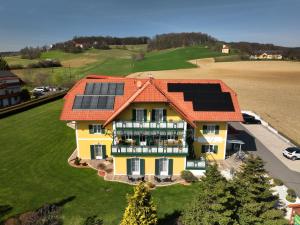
{"x": 30, "y": 53}
{"x": 3, "y": 64}
{"x": 188, "y": 176}
{"x": 290, "y": 198}
{"x": 16, "y": 66}
{"x": 25, "y": 95}
{"x": 45, "y": 64}
{"x": 291, "y": 193}
{"x": 77, "y": 161}
{"x": 93, "y": 220}
{"x": 150, "y": 185}
{"x": 277, "y": 182}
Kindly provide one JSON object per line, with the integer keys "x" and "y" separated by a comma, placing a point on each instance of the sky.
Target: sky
{"x": 39, "y": 22}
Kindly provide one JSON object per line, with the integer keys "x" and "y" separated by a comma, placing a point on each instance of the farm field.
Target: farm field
{"x": 34, "y": 170}
{"x": 270, "y": 88}
{"x": 116, "y": 61}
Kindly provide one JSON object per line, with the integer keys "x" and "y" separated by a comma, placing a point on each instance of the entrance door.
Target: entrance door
{"x": 98, "y": 151}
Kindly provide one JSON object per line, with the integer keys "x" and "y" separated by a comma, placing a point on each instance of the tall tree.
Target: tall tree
{"x": 3, "y": 64}
{"x": 256, "y": 202}
{"x": 141, "y": 209}
{"x": 214, "y": 204}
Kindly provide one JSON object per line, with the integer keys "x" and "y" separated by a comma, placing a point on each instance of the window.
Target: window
{"x": 210, "y": 129}
{"x": 135, "y": 166}
{"x": 96, "y": 129}
{"x": 163, "y": 167}
{"x": 159, "y": 115}
{"x": 140, "y": 115}
{"x": 210, "y": 149}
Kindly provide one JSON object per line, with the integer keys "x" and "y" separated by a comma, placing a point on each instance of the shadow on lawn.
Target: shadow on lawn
{"x": 4, "y": 209}
{"x": 170, "y": 219}
{"x": 64, "y": 201}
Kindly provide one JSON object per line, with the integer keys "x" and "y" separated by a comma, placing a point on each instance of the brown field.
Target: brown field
{"x": 270, "y": 88}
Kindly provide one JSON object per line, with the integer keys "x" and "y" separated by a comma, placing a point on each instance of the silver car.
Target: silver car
{"x": 292, "y": 153}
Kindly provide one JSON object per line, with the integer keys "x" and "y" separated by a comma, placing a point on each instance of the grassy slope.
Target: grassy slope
{"x": 34, "y": 171}
{"x": 116, "y": 62}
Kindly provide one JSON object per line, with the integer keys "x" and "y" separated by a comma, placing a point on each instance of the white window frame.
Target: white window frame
{"x": 98, "y": 149}
{"x": 211, "y": 129}
{"x": 164, "y": 162}
{"x": 135, "y": 169}
{"x": 156, "y": 115}
{"x": 136, "y": 115}
{"x": 210, "y": 148}
{"x": 95, "y": 130}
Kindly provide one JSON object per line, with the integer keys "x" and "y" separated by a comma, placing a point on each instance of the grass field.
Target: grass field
{"x": 35, "y": 147}
{"x": 270, "y": 88}
{"x": 116, "y": 61}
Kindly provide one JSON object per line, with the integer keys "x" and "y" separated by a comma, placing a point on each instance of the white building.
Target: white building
{"x": 225, "y": 49}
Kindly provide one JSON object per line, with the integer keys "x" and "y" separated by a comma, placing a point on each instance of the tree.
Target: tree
{"x": 25, "y": 95}
{"x": 31, "y": 53}
{"x": 3, "y": 64}
{"x": 141, "y": 209}
{"x": 256, "y": 202}
{"x": 214, "y": 204}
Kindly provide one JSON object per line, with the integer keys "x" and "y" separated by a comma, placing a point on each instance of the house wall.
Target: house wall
{"x": 121, "y": 165}
{"x": 212, "y": 139}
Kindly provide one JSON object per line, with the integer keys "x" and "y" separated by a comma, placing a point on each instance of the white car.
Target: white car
{"x": 292, "y": 153}
{"x": 38, "y": 89}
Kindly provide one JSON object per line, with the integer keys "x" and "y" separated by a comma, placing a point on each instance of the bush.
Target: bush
{"x": 31, "y": 53}
{"x": 290, "y": 198}
{"x": 150, "y": 185}
{"x": 93, "y": 220}
{"x": 16, "y": 67}
{"x": 3, "y": 64}
{"x": 277, "y": 182}
{"x": 45, "y": 64}
{"x": 188, "y": 176}
{"x": 291, "y": 193}
{"x": 77, "y": 161}
{"x": 25, "y": 95}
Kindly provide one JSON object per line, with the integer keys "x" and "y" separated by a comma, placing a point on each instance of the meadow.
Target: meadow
{"x": 34, "y": 170}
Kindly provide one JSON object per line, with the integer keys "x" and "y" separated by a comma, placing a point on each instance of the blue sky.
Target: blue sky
{"x": 39, "y": 22}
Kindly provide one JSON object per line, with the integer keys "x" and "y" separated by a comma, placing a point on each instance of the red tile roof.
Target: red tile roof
{"x": 147, "y": 90}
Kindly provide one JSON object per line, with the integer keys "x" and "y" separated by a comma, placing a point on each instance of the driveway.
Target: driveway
{"x": 260, "y": 142}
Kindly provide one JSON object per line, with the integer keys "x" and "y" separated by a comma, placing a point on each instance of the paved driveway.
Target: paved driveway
{"x": 265, "y": 146}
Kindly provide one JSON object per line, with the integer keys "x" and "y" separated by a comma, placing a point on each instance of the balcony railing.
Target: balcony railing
{"x": 196, "y": 164}
{"x": 149, "y": 150}
{"x": 149, "y": 125}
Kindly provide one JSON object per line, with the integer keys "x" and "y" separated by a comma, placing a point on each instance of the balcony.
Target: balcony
{"x": 120, "y": 150}
{"x": 176, "y": 125}
{"x": 196, "y": 164}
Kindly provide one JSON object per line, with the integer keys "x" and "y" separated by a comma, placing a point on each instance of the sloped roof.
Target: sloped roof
{"x": 148, "y": 90}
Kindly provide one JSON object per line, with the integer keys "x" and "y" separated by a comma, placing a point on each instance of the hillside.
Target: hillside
{"x": 116, "y": 61}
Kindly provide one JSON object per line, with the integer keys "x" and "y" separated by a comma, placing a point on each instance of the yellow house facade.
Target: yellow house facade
{"x": 149, "y": 133}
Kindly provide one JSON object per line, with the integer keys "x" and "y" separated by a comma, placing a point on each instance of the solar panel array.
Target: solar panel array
{"x": 205, "y": 97}
{"x": 99, "y": 96}
{"x": 104, "y": 89}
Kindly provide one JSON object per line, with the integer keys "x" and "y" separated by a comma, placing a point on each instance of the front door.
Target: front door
{"x": 98, "y": 152}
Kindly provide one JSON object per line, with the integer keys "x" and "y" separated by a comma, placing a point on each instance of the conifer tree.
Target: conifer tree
{"x": 3, "y": 64}
{"x": 256, "y": 203}
{"x": 214, "y": 203}
{"x": 141, "y": 209}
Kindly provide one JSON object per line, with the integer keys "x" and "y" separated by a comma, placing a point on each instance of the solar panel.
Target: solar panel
{"x": 110, "y": 102}
{"x": 104, "y": 88}
{"x": 89, "y": 88}
{"x": 112, "y": 89}
{"x": 205, "y": 97}
{"x": 77, "y": 102}
{"x": 120, "y": 89}
{"x": 94, "y": 102}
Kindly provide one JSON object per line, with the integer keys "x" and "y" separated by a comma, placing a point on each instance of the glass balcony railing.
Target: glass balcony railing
{"x": 149, "y": 150}
{"x": 149, "y": 125}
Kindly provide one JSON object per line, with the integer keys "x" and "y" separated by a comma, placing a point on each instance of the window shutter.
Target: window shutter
{"x": 164, "y": 114}
{"x": 170, "y": 167}
{"x": 128, "y": 161}
{"x": 91, "y": 129}
{"x": 102, "y": 129}
{"x": 216, "y": 149}
{"x": 142, "y": 166}
{"x": 153, "y": 115}
{"x": 133, "y": 115}
{"x": 103, "y": 151}
{"x": 92, "y": 151}
{"x": 203, "y": 149}
{"x": 156, "y": 166}
{"x": 145, "y": 114}
{"x": 204, "y": 129}
{"x": 217, "y": 128}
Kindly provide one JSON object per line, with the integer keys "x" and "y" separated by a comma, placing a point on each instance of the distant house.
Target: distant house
{"x": 266, "y": 55}
{"x": 225, "y": 49}
{"x": 10, "y": 89}
{"x": 78, "y": 45}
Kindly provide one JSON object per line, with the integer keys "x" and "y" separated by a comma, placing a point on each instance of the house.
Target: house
{"x": 10, "y": 89}
{"x": 151, "y": 126}
{"x": 295, "y": 214}
{"x": 225, "y": 49}
{"x": 266, "y": 55}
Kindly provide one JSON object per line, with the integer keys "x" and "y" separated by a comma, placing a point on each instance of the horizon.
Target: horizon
{"x": 36, "y": 23}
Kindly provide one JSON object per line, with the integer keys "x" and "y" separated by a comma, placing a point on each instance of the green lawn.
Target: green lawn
{"x": 116, "y": 62}
{"x": 35, "y": 147}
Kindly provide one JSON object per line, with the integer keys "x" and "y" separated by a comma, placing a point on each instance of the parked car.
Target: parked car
{"x": 292, "y": 153}
{"x": 39, "y": 89}
{"x": 248, "y": 119}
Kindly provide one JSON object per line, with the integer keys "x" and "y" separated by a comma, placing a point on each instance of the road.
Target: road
{"x": 274, "y": 166}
